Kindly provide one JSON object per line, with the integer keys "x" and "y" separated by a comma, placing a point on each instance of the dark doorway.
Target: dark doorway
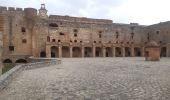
{"x": 127, "y": 52}
{"x": 21, "y": 61}
{"x": 42, "y": 54}
{"x": 87, "y": 52}
{"x": 137, "y": 52}
{"x": 118, "y": 52}
{"x": 7, "y": 61}
{"x": 54, "y": 52}
{"x": 99, "y": 52}
{"x": 163, "y": 52}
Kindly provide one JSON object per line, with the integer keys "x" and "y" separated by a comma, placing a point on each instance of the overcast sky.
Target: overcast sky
{"x": 144, "y": 12}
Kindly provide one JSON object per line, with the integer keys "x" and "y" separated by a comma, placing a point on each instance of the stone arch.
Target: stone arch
{"x": 54, "y": 52}
{"x": 21, "y": 61}
{"x": 88, "y": 52}
{"x": 137, "y": 52}
{"x": 109, "y": 52}
{"x": 118, "y": 52}
{"x": 7, "y": 61}
{"x": 76, "y": 52}
{"x": 42, "y": 54}
{"x": 53, "y": 25}
{"x": 163, "y": 52}
{"x": 99, "y": 52}
{"x": 127, "y": 52}
{"x": 65, "y": 51}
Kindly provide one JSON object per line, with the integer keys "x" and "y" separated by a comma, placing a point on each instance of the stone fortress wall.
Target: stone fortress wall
{"x": 28, "y": 32}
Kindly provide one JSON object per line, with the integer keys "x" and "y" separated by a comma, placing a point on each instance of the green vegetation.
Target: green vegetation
{"x": 7, "y": 67}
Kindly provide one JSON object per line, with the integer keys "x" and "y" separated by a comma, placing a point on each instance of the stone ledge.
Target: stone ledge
{"x": 6, "y": 78}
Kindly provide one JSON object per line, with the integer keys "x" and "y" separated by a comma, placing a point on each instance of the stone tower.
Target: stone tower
{"x": 43, "y": 11}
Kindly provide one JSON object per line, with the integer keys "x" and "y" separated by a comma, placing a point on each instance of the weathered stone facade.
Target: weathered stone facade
{"x": 30, "y": 32}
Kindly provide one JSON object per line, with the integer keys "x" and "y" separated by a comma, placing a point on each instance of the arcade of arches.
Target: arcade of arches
{"x": 95, "y": 51}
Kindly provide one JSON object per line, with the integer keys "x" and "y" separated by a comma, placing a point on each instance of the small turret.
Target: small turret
{"x": 43, "y": 11}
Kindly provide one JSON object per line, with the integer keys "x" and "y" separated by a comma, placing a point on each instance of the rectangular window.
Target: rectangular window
{"x": 24, "y": 41}
{"x": 75, "y": 35}
{"x": 11, "y": 48}
{"x": 53, "y": 40}
{"x": 61, "y": 33}
{"x": 23, "y": 29}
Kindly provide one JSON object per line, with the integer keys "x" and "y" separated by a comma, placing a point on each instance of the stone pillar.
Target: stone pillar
{"x": 167, "y": 50}
{"x": 60, "y": 51}
{"x": 143, "y": 51}
{"x": 123, "y": 51}
{"x": 132, "y": 52}
{"x": 114, "y": 51}
{"x": 104, "y": 51}
{"x": 1, "y": 50}
{"x": 82, "y": 51}
{"x": 48, "y": 51}
{"x": 94, "y": 51}
{"x": 71, "y": 51}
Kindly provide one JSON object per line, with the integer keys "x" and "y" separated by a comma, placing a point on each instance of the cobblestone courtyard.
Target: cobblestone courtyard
{"x": 93, "y": 79}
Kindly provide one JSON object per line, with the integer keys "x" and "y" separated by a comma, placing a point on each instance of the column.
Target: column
{"x": 94, "y": 51}
{"x": 60, "y": 51}
{"x": 71, "y": 51}
{"x": 82, "y": 51}
{"x": 143, "y": 51}
{"x": 1, "y": 51}
{"x": 48, "y": 51}
{"x": 167, "y": 51}
{"x": 104, "y": 51}
{"x": 123, "y": 51}
{"x": 113, "y": 51}
{"x": 132, "y": 52}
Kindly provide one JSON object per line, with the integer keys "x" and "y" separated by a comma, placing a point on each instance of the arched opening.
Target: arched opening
{"x": 88, "y": 52}
{"x": 42, "y": 54}
{"x": 163, "y": 52}
{"x": 127, "y": 52}
{"x": 65, "y": 51}
{"x": 109, "y": 52}
{"x": 118, "y": 52}
{"x": 21, "y": 61}
{"x": 137, "y": 52}
{"x": 99, "y": 52}
{"x": 54, "y": 52}
{"x": 76, "y": 52}
{"x": 48, "y": 38}
{"x": 53, "y": 25}
{"x": 7, "y": 61}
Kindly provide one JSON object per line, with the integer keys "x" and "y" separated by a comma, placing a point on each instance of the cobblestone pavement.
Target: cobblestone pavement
{"x": 93, "y": 79}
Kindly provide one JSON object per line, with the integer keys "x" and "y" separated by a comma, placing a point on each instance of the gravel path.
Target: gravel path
{"x": 93, "y": 79}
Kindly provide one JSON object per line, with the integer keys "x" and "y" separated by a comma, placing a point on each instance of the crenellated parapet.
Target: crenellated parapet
{"x": 5, "y": 9}
{"x": 80, "y": 19}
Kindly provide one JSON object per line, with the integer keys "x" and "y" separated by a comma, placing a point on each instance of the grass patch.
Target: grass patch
{"x": 7, "y": 67}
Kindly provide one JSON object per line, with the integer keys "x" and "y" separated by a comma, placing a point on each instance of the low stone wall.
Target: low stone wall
{"x": 6, "y": 78}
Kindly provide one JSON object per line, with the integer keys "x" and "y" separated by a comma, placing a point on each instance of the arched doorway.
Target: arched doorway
{"x": 99, "y": 52}
{"x": 65, "y": 51}
{"x": 21, "y": 61}
{"x": 118, "y": 52}
{"x": 163, "y": 52}
{"x": 127, "y": 52}
{"x": 76, "y": 52}
{"x": 54, "y": 52}
{"x": 88, "y": 52}
{"x": 137, "y": 52}
{"x": 7, "y": 61}
{"x": 42, "y": 54}
{"x": 109, "y": 52}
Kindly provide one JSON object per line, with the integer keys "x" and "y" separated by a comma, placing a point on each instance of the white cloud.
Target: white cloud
{"x": 123, "y": 11}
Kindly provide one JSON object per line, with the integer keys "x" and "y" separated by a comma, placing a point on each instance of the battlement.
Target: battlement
{"x": 2, "y": 8}
{"x": 80, "y": 19}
